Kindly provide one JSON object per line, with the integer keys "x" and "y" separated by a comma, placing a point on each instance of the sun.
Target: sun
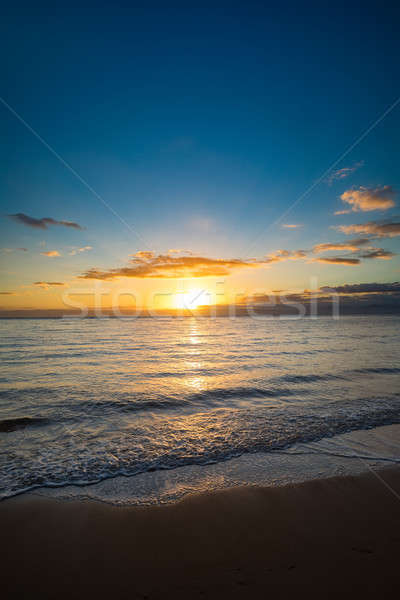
{"x": 193, "y": 298}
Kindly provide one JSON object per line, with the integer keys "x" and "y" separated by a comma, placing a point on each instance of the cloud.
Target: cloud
{"x": 338, "y": 260}
{"x": 43, "y": 222}
{"x": 144, "y": 254}
{"x": 179, "y": 251}
{"x": 280, "y": 255}
{"x": 377, "y": 253}
{"x": 351, "y": 245}
{"x": 79, "y": 250}
{"x": 368, "y": 199}
{"x": 292, "y": 225}
{"x": 374, "y": 228}
{"x": 343, "y": 173}
{"x": 9, "y": 250}
{"x": 365, "y": 288}
{"x": 148, "y": 265}
{"x": 46, "y": 284}
{"x": 51, "y": 253}
{"x": 7, "y": 293}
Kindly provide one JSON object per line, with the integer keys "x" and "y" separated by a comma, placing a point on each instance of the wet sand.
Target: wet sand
{"x": 332, "y": 538}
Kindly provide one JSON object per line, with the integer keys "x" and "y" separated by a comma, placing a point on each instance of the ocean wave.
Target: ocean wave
{"x": 378, "y": 370}
{"x": 75, "y": 457}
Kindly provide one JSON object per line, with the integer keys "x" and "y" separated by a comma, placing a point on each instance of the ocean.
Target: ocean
{"x": 145, "y": 401}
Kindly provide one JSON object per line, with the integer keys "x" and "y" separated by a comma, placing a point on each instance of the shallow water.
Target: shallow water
{"x": 128, "y": 396}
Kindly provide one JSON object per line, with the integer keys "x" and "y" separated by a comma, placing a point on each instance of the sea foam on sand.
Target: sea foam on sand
{"x": 346, "y": 454}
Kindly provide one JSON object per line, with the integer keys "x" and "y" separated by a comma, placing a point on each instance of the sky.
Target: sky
{"x": 184, "y": 147}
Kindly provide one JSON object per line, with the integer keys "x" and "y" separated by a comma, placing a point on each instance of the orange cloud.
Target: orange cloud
{"x": 351, "y": 246}
{"x": 374, "y": 228}
{"x": 79, "y": 250}
{"x": 148, "y": 265}
{"x": 344, "y": 172}
{"x": 280, "y": 255}
{"x": 292, "y": 225}
{"x": 367, "y": 199}
{"x": 338, "y": 260}
{"x": 179, "y": 251}
{"x": 51, "y": 253}
{"x": 46, "y": 284}
{"x": 146, "y": 255}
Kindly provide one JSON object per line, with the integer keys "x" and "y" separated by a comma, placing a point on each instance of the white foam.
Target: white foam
{"x": 345, "y": 454}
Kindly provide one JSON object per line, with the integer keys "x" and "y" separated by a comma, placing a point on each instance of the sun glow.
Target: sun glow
{"x": 192, "y": 299}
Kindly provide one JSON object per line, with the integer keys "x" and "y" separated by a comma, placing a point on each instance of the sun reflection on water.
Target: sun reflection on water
{"x": 194, "y": 360}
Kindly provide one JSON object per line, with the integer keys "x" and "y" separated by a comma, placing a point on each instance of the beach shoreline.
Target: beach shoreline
{"x": 320, "y": 538}
{"x": 350, "y": 453}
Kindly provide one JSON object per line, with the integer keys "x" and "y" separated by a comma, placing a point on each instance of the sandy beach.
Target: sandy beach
{"x": 337, "y": 537}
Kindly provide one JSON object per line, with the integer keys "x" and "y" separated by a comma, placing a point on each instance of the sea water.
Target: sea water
{"x": 93, "y": 400}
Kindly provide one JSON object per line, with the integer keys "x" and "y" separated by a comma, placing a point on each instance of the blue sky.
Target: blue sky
{"x": 199, "y": 124}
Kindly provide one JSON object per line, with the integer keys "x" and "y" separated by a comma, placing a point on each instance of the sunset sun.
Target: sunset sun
{"x": 192, "y": 299}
